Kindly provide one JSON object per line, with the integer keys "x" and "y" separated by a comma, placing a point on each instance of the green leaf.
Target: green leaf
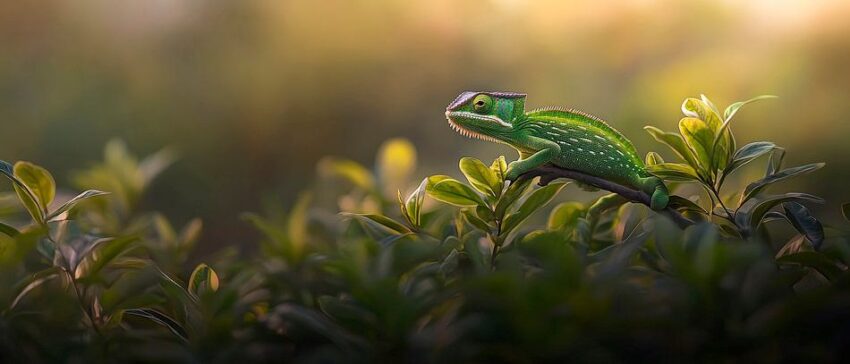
{"x": 39, "y": 181}
{"x": 481, "y": 177}
{"x": 700, "y": 138}
{"x": 653, "y": 158}
{"x": 98, "y": 258}
{"x": 748, "y": 153}
{"x": 382, "y": 221}
{"x": 818, "y": 261}
{"x": 749, "y": 216}
{"x": 73, "y": 202}
{"x": 476, "y": 221}
{"x": 9, "y": 230}
{"x": 755, "y": 187}
{"x": 536, "y": 200}
{"x": 161, "y": 319}
{"x": 845, "y": 210}
{"x": 683, "y": 204}
{"x": 203, "y": 279}
{"x": 775, "y": 161}
{"x": 675, "y": 142}
{"x": 413, "y": 204}
{"x": 511, "y": 195}
{"x": 565, "y": 215}
{"x": 804, "y": 222}
{"x": 673, "y": 171}
{"x": 732, "y": 109}
{"x": 453, "y": 192}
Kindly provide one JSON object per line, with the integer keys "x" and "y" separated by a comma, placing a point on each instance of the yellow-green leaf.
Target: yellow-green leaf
{"x": 703, "y": 110}
{"x": 451, "y": 191}
{"x": 675, "y": 142}
{"x": 203, "y": 279}
{"x": 653, "y": 158}
{"x": 699, "y": 137}
{"x": 481, "y": 177}
{"x": 673, "y": 171}
{"x": 40, "y": 184}
{"x": 565, "y": 215}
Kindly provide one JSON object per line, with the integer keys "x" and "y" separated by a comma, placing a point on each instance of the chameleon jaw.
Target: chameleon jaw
{"x": 469, "y": 133}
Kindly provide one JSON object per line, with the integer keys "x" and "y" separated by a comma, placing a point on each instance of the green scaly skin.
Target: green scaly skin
{"x": 566, "y": 138}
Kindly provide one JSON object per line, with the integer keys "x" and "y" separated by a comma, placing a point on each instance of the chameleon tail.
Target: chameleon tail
{"x": 659, "y": 196}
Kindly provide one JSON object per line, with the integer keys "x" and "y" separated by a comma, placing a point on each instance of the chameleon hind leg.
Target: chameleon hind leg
{"x": 657, "y": 190}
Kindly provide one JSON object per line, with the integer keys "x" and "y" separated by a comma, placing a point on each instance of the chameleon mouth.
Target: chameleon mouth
{"x": 469, "y": 133}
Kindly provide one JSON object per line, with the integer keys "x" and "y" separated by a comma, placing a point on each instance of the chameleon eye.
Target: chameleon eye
{"x": 482, "y": 103}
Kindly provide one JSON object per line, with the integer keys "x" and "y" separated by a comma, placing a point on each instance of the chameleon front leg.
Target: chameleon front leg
{"x": 546, "y": 151}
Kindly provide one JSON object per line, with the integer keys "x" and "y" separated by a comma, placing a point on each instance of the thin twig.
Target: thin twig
{"x": 550, "y": 172}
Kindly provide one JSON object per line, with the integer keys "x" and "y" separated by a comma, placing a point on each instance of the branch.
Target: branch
{"x": 550, "y": 172}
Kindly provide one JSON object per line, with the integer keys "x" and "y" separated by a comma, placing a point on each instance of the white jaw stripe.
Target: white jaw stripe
{"x": 472, "y": 115}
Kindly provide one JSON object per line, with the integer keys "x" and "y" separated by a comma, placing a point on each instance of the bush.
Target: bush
{"x": 455, "y": 271}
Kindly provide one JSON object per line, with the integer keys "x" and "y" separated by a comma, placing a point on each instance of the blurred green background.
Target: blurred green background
{"x": 252, "y": 94}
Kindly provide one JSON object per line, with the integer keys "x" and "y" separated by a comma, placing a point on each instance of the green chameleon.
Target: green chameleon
{"x": 566, "y": 138}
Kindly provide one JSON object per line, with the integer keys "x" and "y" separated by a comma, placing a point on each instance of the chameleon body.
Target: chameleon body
{"x": 566, "y": 138}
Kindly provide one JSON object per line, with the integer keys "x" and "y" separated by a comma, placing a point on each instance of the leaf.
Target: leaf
{"x": 675, "y": 142}
{"x": 384, "y": 222}
{"x": 775, "y": 161}
{"x": 413, "y": 204}
{"x": 751, "y": 212}
{"x": 154, "y": 164}
{"x": 653, "y": 158}
{"x": 754, "y": 188}
{"x": 818, "y": 261}
{"x": 349, "y": 170}
{"x": 804, "y": 222}
{"x": 161, "y": 319}
{"x": 704, "y": 110}
{"x": 296, "y": 225}
{"x": 481, "y": 177}
{"x": 565, "y": 215}
{"x": 536, "y": 200}
{"x": 500, "y": 167}
{"x": 673, "y": 171}
{"x": 700, "y": 138}
{"x": 683, "y": 204}
{"x": 25, "y": 194}
{"x": 732, "y": 109}
{"x": 511, "y": 195}
{"x": 845, "y": 210}
{"x": 99, "y": 257}
{"x": 73, "y": 202}
{"x": 476, "y": 221}
{"x": 747, "y": 153}
{"x": 33, "y": 281}
{"x": 9, "y": 230}
{"x": 203, "y": 279}
{"x": 39, "y": 181}
{"x": 453, "y": 192}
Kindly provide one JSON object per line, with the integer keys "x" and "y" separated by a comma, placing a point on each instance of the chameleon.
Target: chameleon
{"x": 566, "y": 138}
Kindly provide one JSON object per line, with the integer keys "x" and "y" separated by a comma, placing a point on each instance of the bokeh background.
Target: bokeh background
{"x": 252, "y": 94}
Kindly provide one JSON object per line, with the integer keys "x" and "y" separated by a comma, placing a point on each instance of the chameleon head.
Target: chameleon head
{"x": 486, "y": 115}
